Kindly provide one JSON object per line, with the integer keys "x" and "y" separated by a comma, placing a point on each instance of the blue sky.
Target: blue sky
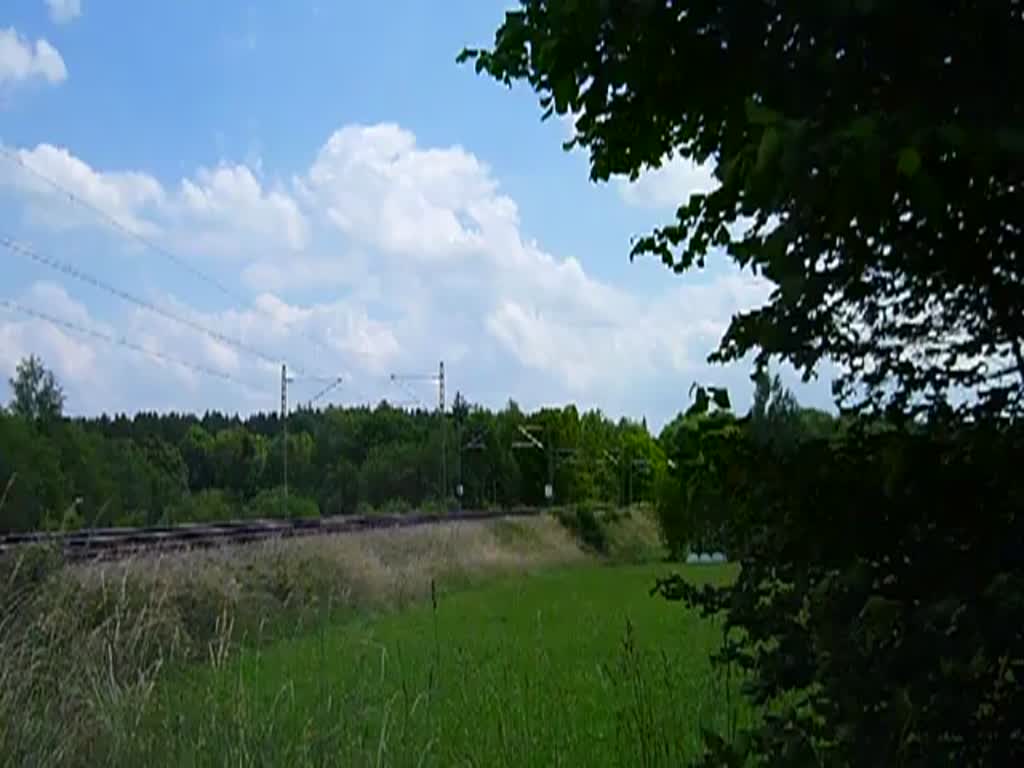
{"x": 371, "y": 206}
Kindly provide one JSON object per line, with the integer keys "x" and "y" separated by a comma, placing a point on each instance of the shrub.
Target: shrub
{"x": 204, "y": 507}
{"x": 880, "y": 598}
{"x": 366, "y": 509}
{"x": 397, "y": 506}
{"x": 271, "y": 503}
{"x": 584, "y": 522}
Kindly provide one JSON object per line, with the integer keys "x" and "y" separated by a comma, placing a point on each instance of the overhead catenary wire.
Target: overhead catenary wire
{"x": 119, "y": 226}
{"x": 324, "y": 391}
{"x": 82, "y": 276}
{"x": 120, "y": 341}
{"x": 115, "y": 223}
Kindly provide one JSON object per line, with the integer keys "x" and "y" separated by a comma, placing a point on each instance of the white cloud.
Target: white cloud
{"x": 457, "y": 249}
{"x": 378, "y": 187}
{"x": 20, "y": 60}
{"x": 224, "y": 210}
{"x": 124, "y": 196}
{"x": 431, "y": 263}
{"x": 100, "y": 375}
{"x": 63, "y": 11}
{"x": 228, "y": 203}
{"x": 73, "y": 359}
{"x": 668, "y": 186}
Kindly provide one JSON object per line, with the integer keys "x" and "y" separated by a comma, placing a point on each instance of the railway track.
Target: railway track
{"x": 112, "y": 543}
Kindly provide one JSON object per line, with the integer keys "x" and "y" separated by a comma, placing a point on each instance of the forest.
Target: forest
{"x": 150, "y": 468}
{"x": 59, "y": 472}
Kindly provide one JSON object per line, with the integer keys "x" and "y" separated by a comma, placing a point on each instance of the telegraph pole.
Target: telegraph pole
{"x": 284, "y": 432}
{"x": 444, "y": 435}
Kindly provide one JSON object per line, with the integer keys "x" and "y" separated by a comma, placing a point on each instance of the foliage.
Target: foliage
{"x": 692, "y": 508}
{"x": 775, "y": 414}
{"x": 878, "y": 606}
{"x": 586, "y": 523}
{"x": 37, "y": 397}
{"x": 272, "y": 503}
{"x": 862, "y": 171}
{"x": 153, "y": 468}
{"x": 880, "y": 201}
{"x": 206, "y": 506}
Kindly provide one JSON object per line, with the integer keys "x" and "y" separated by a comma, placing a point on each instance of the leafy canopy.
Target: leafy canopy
{"x": 37, "y": 396}
{"x": 870, "y": 160}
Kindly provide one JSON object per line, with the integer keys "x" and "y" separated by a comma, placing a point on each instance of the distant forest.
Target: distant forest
{"x": 58, "y": 472}
{"x": 150, "y": 468}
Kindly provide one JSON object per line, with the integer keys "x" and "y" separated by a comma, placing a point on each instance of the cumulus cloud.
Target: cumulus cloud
{"x": 225, "y": 210}
{"x": 668, "y": 186}
{"x": 403, "y": 255}
{"x": 456, "y": 250}
{"x": 44, "y": 172}
{"x": 63, "y": 11}
{"x": 73, "y": 358}
{"x": 231, "y": 208}
{"x": 168, "y": 371}
{"x": 22, "y": 60}
{"x": 378, "y": 187}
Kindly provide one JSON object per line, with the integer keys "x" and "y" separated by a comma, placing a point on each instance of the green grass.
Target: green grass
{"x": 576, "y": 666}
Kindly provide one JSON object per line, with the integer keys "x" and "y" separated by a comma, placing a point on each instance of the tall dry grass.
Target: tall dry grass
{"x": 82, "y": 646}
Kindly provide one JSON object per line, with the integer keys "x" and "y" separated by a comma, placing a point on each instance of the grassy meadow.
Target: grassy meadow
{"x": 499, "y": 643}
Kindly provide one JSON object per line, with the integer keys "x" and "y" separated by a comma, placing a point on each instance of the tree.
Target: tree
{"x": 339, "y": 493}
{"x": 238, "y": 460}
{"x": 775, "y": 414}
{"x": 692, "y": 502}
{"x": 859, "y": 168}
{"x": 196, "y": 450}
{"x": 167, "y": 472}
{"x": 32, "y": 483}
{"x": 38, "y": 396}
{"x": 863, "y": 172}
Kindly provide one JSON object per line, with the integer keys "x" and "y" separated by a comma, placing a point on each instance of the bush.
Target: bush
{"x": 204, "y": 507}
{"x": 880, "y": 599}
{"x": 584, "y": 522}
{"x": 271, "y": 503}
{"x": 396, "y": 507}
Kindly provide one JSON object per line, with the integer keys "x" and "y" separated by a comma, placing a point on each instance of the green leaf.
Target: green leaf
{"x": 758, "y": 114}
{"x": 909, "y": 162}
{"x": 701, "y": 402}
{"x": 863, "y": 127}
{"x": 768, "y": 149}
{"x": 1011, "y": 141}
{"x": 952, "y": 134}
{"x": 720, "y": 395}
{"x": 878, "y": 617}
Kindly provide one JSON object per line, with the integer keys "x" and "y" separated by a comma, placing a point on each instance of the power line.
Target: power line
{"x": 113, "y": 222}
{"x": 72, "y": 271}
{"x": 121, "y": 341}
{"x": 142, "y": 239}
{"x": 326, "y": 390}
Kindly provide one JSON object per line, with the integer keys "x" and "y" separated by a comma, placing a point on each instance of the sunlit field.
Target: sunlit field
{"x": 576, "y": 666}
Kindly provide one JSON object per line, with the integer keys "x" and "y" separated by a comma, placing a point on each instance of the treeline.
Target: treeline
{"x": 151, "y": 468}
